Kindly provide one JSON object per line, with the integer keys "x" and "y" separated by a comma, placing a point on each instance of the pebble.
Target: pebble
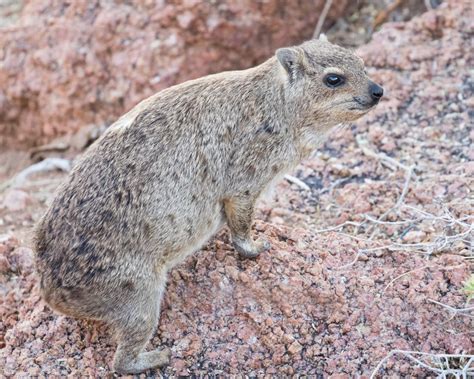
{"x": 16, "y": 200}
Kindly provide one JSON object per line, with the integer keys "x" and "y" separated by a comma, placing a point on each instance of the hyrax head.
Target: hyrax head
{"x": 327, "y": 84}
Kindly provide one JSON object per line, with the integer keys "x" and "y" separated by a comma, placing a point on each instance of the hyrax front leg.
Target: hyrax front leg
{"x": 134, "y": 327}
{"x": 239, "y": 213}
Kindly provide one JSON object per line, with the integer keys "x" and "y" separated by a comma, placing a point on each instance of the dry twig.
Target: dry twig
{"x": 456, "y": 311}
{"x": 384, "y": 158}
{"x": 322, "y": 18}
{"x": 441, "y": 363}
{"x": 409, "y": 173}
{"x": 298, "y": 182}
{"x": 49, "y": 164}
{"x": 383, "y": 15}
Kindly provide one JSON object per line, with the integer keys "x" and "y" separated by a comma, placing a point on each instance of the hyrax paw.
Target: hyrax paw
{"x": 251, "y": 249}
{"x": 161, "y": 357}
{"x": 262, "y": 245}
{"x": 144, "y": 361}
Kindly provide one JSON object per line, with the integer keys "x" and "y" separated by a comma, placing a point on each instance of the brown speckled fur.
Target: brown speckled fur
{"x": 169, "y": 173}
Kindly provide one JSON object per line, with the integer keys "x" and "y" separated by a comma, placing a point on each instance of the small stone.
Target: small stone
{"x": 232, "y": 272}
{"x": 295, "y": 348}
{"x": 244, "y": 277}
{"x": 25, "y": 258}
{"x": 16, "y": 200}
{"x": 414, "y": 236}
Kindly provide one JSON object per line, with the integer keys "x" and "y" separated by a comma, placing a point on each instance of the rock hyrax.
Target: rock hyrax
{"x": 173, "y": 170}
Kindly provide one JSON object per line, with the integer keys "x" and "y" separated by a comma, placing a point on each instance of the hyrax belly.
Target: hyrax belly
{"x": 189, "y": 233}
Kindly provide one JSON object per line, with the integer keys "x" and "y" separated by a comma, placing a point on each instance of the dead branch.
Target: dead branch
{"x": 414, "y": 270}
{"x": 298, "y": 182}
{"x": 456, "y": 311}
{"x": 334, "y": 228}
{"x": 48, "y": 164}
{"x": 402, "y": 275}
{"x": 322, "y": 18}
{"x": 441, "y": 369}
{"x": 384, "y": 158}
{"x": 409, "y": 173}
{"x": 383, "y": 15}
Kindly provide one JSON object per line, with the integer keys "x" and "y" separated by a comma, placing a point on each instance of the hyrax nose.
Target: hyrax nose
{"x": 376, "y": 92}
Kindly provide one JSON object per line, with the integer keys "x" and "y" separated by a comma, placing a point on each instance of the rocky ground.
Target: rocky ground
{"x": 369, "y": 248}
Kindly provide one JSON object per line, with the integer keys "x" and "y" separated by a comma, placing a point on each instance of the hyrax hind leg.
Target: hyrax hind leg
{"x": 134, "y": 326}
{"x": 239, "y": 212}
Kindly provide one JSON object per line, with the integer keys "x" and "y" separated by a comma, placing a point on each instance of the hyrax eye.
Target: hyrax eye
{"x": 333, "y": 80}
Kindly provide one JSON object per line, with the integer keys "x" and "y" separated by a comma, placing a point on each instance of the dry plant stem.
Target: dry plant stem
{"x": 428, "y": 5}
{"x": 355, "y": 238}
{"x": 426, "y": 248}
{"x": 48, "y": 164}
{"x": 450, "y": 217}
{"x": 403, "y": 222}
{"x": 409, "y": 173}
{"x": 447, "y": 218}
{"x": 460, "y": 311}
{"x": 384, "y": 158}
{"x": 359, "y": 253}
{"x": 298, "y": 182}
{"x": 333, "y": 228}
{"x": 402, "y": 275}
{"x": 371, "y": 250}
{"x": 450, "y": 220}
{"x": 431, "y": 247}
{"x": 414, "y": 270}
{"x": 322, "y": 18}
{"x": 410, "y": 354}
{"x": 393, "y": 165}
{"x": 403, "y": 194}
{"x": 383, "y": 15}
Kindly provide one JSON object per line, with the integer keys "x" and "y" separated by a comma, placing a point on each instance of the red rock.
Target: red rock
{"x": 65, "y": 65}
{"x": 244, "y": 277}
{"x": 25, "y": 259}
{"x": 16, "y": 200}
{"x": 414, "y": 236}
{"x": 295, "y": 348}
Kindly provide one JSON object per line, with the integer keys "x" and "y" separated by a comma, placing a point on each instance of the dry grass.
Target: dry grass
{"x": 452, "y": 233}
{"x": 444, "y": 365}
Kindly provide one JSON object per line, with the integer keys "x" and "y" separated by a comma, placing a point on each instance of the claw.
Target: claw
{"x": 250, "y": 249}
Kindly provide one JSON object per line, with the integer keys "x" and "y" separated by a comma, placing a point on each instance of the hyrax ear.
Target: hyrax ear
{"x": 292, "y": 61}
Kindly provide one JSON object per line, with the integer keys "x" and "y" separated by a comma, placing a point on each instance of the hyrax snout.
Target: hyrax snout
{"x": 176, "y": 168}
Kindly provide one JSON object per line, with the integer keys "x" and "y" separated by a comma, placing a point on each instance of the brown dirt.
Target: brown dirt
{"x": 325, "y": 303}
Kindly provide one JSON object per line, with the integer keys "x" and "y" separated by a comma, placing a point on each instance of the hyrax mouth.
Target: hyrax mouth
{"x": 361, "y": 105}
{"x": 364, "y": 104}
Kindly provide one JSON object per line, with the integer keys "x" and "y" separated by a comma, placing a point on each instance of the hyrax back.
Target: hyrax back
{"x": 168, "y": 174}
